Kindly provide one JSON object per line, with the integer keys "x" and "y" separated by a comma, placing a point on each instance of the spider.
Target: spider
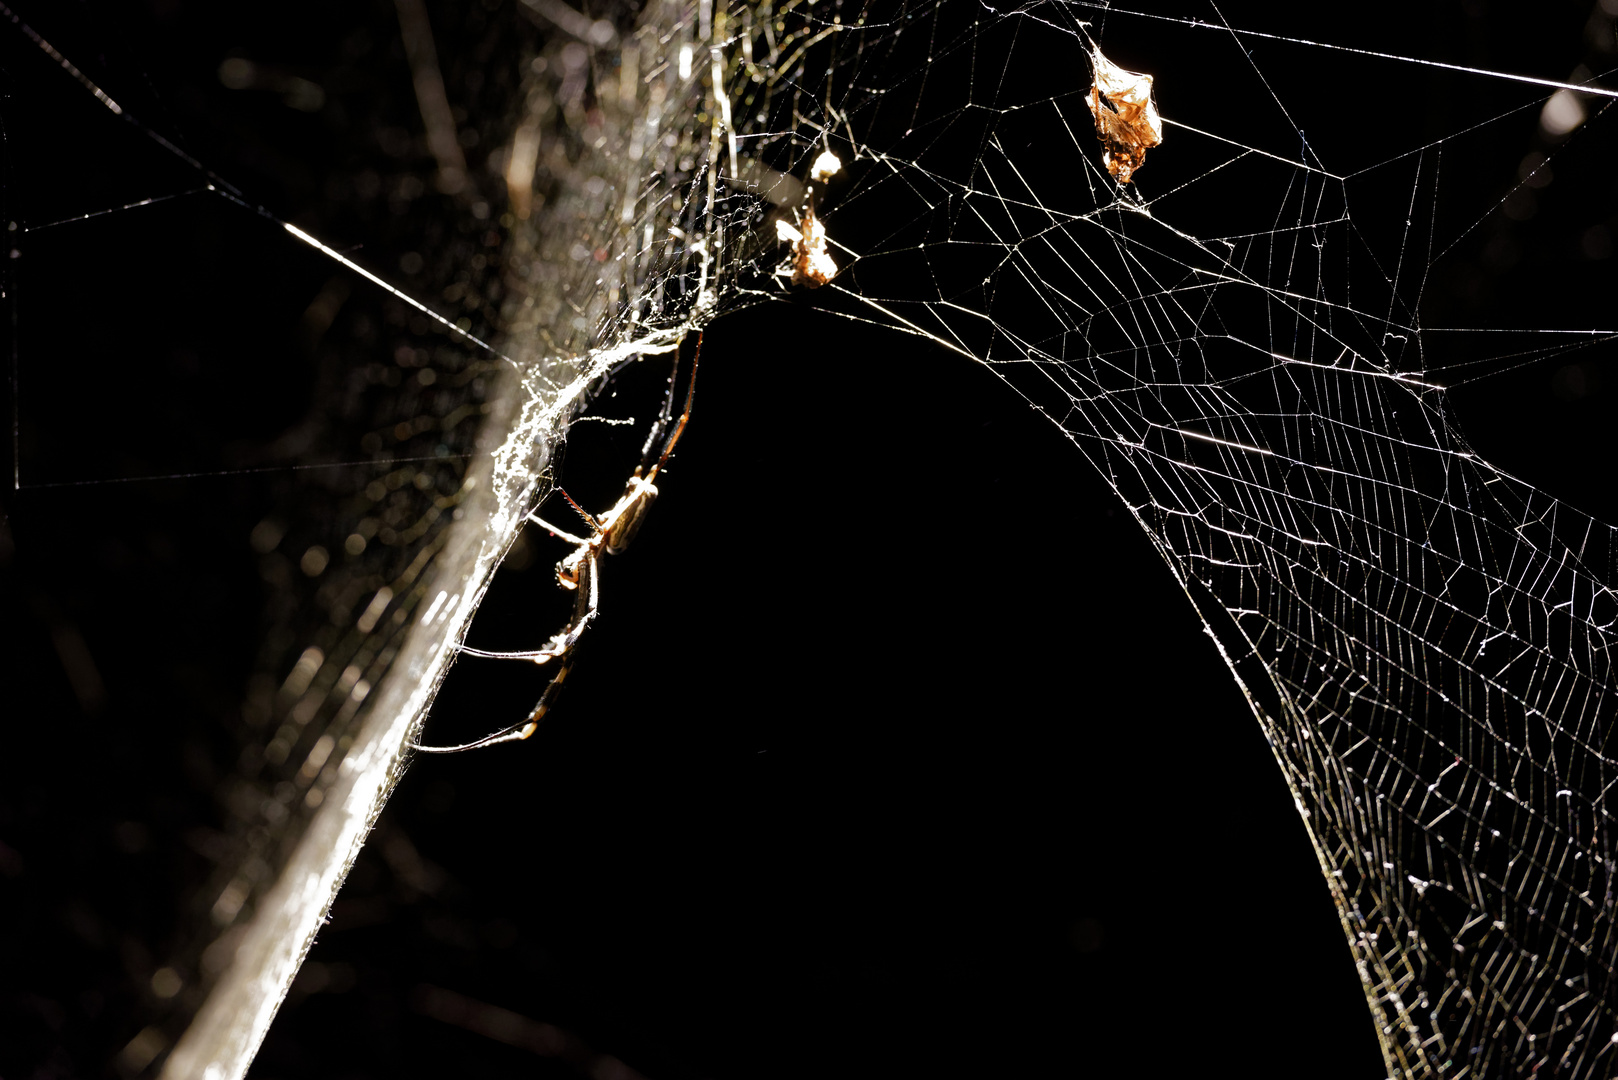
{"x": 580, "y": 571}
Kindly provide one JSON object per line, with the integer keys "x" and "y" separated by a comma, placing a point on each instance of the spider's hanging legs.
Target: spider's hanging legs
{"x": 516, "y": 732}
{"x": 561, "y": 646}
{"x": 610, "y": 534}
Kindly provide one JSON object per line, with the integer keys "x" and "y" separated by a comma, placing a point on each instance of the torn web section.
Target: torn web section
{"x": 1239, "y": 349}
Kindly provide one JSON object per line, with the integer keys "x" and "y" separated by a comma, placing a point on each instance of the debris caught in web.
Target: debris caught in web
{"x": 826, "y": 166}
{"x": 1126, "y": 116}
{"x": 811, "y": 264}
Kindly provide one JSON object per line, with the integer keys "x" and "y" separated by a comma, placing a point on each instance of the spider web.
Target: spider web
{"x": 1264, "y": 346}
{"x": 1261, "y": 374}
{"x": 1424, "y": 638}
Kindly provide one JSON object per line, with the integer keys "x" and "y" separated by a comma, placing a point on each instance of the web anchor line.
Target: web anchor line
{"x": 223, "y": 187}
{"x": 217, "y": 185}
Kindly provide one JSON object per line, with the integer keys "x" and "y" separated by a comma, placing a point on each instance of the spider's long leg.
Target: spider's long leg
{"x": 589, "y": 518}
{"x": 516, "y": 732}
{"x": 679, "y": 428}
{"x": 584, "y": 610}
{"x": 554, "y": 531}
{"x": 665, "y": 414}
{"x": 585, "y": 607}
{"x": 538, "y": 656}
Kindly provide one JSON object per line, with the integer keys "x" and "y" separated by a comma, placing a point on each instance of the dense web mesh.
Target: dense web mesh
{"x": 1424, "y": 638}
{"x": 1257, "y": 343}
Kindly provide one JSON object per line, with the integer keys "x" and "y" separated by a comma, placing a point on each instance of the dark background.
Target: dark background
{"x": 895, "y": 749}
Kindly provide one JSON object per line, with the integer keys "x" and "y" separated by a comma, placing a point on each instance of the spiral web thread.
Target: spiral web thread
{"x": 1425, "y": 639}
